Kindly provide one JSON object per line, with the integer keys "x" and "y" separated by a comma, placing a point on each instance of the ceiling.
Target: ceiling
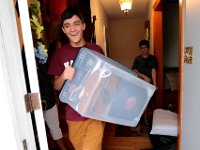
{"x": 113, "y": 10}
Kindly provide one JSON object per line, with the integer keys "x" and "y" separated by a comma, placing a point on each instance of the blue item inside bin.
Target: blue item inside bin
{"x": 106, "y": 90}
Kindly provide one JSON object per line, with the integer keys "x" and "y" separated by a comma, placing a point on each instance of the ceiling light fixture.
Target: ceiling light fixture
{"x": 125, "y": 5}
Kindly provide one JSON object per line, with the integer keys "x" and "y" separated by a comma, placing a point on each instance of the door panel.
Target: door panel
{"x": 19, "y": 129}
{"x": 14, "y": 88}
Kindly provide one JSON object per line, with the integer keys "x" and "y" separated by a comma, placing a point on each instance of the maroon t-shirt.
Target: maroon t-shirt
{"x": 64, "y": 55}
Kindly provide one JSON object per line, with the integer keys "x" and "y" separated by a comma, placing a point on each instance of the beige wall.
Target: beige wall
{"x": 101, "y": 22}
{"x": 124, "y": 37}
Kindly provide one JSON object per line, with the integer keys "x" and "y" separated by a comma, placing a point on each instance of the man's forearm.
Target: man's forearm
{"x": 58, "y": 82}
{"x": 144, "y": 77}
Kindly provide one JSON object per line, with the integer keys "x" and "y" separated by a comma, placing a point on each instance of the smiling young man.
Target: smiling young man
{"x": 84, "y": 133}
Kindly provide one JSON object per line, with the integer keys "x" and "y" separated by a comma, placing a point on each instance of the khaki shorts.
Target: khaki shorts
{"x": 86, "y": 135}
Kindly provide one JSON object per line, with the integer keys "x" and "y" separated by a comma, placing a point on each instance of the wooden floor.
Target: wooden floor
{"x": 114, "y": 143}
{"x": 115, "y": 137}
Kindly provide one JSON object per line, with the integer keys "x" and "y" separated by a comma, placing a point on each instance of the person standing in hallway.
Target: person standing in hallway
{"x": 84, "y": 133}
{"x": 145, "y": 66}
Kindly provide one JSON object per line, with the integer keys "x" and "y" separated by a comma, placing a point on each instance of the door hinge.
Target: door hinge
{"x": 25, "y": 144}
{"x": 32, "y": 102}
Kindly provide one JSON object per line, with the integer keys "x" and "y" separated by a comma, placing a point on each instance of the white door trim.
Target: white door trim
{"x": 13, "y": 82}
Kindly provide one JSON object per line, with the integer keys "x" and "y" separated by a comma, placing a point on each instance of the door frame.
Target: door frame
{"x": 180, "y": 95}
{"x": 158, "y": 47}
{"x": 32, "y": 71}
{"x": 18, "y": 123}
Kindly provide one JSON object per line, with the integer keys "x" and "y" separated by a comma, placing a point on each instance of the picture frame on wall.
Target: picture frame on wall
{"x": 147, "y": 30}
{"x": 105, "y": 41}
{"x": 147, "y": 34}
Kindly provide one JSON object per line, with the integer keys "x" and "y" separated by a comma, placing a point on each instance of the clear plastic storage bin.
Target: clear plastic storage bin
{"x": 106, "y": 90}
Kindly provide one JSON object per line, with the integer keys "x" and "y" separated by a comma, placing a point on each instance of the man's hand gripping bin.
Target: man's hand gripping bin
{"x": 105, "y": 90}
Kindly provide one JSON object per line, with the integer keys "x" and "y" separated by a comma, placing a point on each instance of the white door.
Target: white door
{"x": 16, "y": 125}
{"x": 190, "y": 130}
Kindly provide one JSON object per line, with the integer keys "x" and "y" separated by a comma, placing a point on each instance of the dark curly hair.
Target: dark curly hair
{"x": 144, "y": 42}
{"x": 70, "y": 12}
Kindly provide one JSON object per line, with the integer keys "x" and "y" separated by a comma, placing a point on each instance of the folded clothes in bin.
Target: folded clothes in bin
{"x": 106, "y": 90}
